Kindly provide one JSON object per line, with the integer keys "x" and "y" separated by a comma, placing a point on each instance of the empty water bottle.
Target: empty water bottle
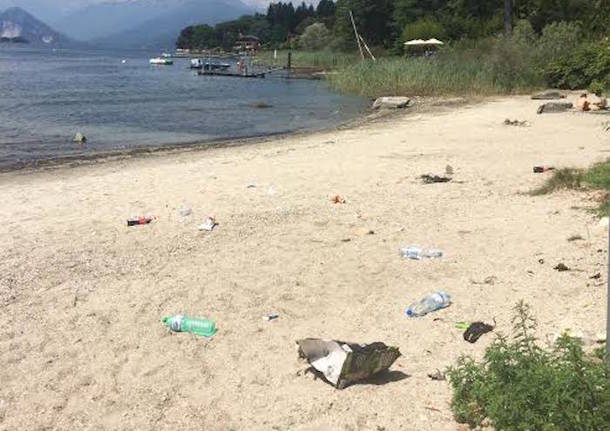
{"x": 432, "y": 302}
{"x": 180, "y": 323}
{"x": 417, "y": 253}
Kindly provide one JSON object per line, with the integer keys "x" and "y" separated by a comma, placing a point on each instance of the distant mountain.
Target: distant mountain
{"x": 17, "y": 25}
{"x": 45, "y": 10}
{"x": 144, "y": 23}
{"x": 112, "y": 17}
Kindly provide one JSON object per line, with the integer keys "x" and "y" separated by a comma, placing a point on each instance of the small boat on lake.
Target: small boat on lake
{"x": 161, "y": 61}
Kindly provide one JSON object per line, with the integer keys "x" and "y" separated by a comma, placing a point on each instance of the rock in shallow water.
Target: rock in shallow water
{"x": 394, "y": 102}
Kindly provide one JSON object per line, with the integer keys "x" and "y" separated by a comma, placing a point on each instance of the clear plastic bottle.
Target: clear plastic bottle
{"x": 429, "y": 303}
{"x": 418, "y": 253}
{"x": 180, "y": 323}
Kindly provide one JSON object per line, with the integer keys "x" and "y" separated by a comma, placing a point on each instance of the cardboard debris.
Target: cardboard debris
{"x": 344, "y": 363}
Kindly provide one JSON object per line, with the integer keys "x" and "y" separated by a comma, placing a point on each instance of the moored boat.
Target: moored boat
{"x": 161, "y": 61}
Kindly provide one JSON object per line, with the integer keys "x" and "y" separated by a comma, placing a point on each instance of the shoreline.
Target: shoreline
{"x": 369, "y": 116}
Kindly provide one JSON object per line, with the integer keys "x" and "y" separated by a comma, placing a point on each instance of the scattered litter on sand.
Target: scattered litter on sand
{"x": 429, "y": 303}
{"x": 194, "y": 325}
{"x": 135, "y": 221}
{"x": 271, "y": 316}
{"x": 476, "y": 330}
{"x": 561, "y": 267}
{"x": 344, "y": 363}
{"x": 509, "y": 122}
{"x": 438, "y": 376}
{"x": 591, "y": 102}
{"x": 575, "y": 238}
{"x": 596, "y": 276}
{"x": 431, "y": 179}
{"x": 417, "y": 253}
{"x": 208, "y": 225}
{"x": 541, "y": 169}
{"x": 251, "y": 186}
{"x": 337, "y": 199}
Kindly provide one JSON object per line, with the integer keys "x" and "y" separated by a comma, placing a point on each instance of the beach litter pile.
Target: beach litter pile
{"x": 343, "y": 363}
{"x": 591, "y": 102}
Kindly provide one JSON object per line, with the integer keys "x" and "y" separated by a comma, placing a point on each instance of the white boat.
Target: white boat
{"x": 161, "y": 61}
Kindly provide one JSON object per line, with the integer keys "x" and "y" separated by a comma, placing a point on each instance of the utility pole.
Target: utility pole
{"x": 508, "y": 18}
{"x": 356, "y": 34}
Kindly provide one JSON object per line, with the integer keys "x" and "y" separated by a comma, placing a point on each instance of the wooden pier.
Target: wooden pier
{"x": 231, "y": 74}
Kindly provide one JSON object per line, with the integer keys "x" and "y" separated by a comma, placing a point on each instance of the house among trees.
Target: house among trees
{"x": 247, "y": 43}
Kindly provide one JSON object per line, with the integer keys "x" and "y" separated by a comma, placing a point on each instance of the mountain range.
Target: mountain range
{"x": 149, "y": 24}
{"x": 18, "y": 26}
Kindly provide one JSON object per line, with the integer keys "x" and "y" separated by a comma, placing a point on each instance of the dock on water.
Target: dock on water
{"x": 231, "y": 74}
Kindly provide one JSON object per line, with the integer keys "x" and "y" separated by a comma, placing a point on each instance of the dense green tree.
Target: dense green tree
{"x": 373, "y": 19}
{"x": 388, "y": 22}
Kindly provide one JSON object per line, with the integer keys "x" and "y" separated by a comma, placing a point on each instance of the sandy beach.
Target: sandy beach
{"x": 82, "y": 294}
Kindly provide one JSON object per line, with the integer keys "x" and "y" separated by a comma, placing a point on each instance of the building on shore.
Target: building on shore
{"x": 247, "y": 43}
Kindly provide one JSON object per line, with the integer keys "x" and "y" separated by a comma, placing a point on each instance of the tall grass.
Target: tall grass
{"x": 327, "y": 60}
{"x": 417, "y": 76}
{"x": 484, "y": 67}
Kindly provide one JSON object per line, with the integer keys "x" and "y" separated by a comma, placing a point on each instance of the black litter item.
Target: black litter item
{"x": 475, "y": 330}
{"x": 561, "y": 267}
{"x": 431, "y": 179}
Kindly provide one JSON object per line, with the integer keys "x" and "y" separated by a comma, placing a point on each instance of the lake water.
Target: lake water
{"x": 46, "y": 97}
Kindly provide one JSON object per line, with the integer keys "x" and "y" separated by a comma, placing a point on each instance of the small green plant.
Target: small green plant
{"x": 519, "y": 386}
{"x": 597, "y": 177}
{"x": 565, "y": 178}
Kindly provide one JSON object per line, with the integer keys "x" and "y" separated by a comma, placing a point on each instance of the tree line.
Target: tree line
{"x": 388, "y": 23}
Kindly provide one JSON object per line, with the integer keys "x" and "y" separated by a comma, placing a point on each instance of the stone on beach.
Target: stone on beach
{"x": 79, "y": 138}
{"x": 393, "y": 102}
{"x": 554, "y": 107}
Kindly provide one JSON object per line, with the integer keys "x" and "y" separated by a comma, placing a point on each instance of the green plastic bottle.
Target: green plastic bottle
{"x": 180, "y": 323}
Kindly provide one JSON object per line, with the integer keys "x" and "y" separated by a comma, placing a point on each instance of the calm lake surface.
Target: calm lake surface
{"x": 48, "y": 96}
